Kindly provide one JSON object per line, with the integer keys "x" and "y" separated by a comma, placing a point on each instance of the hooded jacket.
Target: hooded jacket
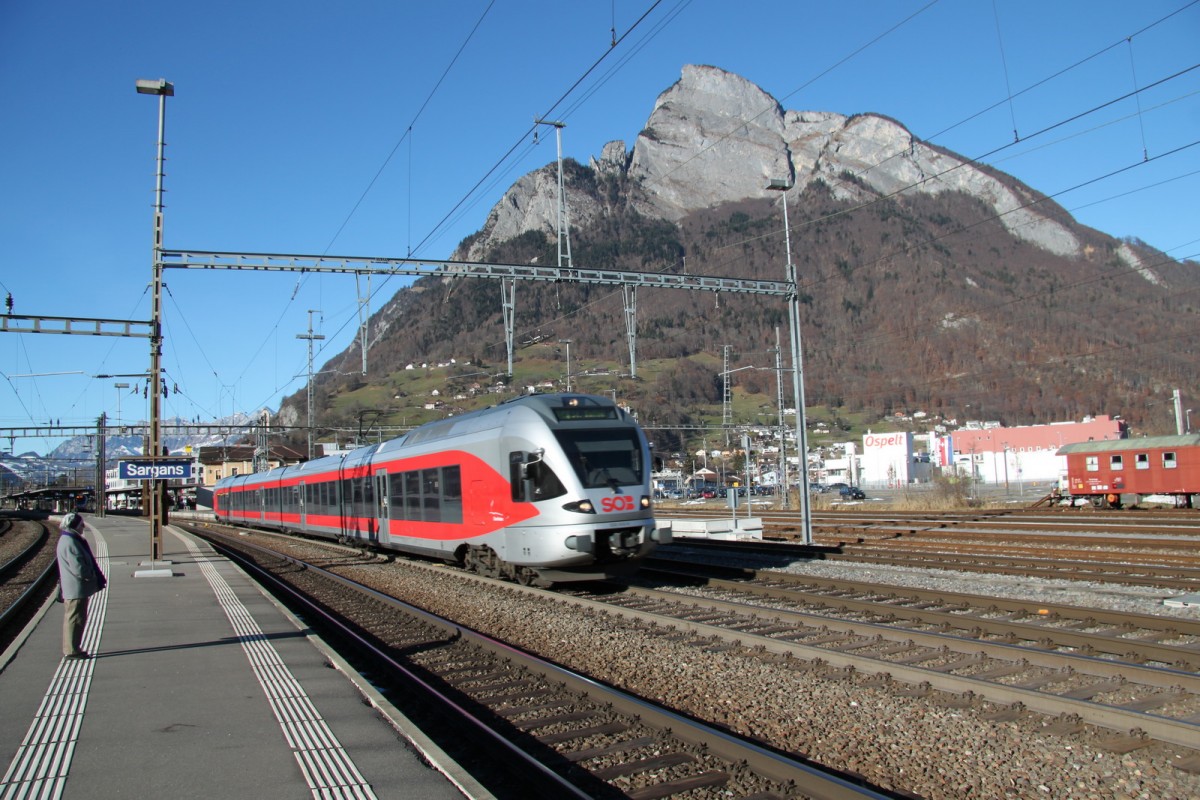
{"x": 78, "y": 573}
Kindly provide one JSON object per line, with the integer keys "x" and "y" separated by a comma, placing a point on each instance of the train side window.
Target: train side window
{"x": 1093, "y": 463}
{"x": 1169, "y": 460}
{"x": 1142, "y": 461}
{"x": 397, "y": 496}
{"x": 452, "y": 495}
{"x": 412, "y": 495}
{"x": 516, "y": 475}
{"x": 368, "y": 497}
{"x": 431, "y": 489}
{"x": 546, "y": 484}
{"x": 1117, "y": 463}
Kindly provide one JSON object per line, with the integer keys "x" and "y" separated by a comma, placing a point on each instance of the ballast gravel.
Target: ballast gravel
{"x": 907, "y": 744}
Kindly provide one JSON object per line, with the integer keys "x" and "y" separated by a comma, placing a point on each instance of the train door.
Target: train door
{"x": 303, "y": 506}
{"x": 381, "y": 505}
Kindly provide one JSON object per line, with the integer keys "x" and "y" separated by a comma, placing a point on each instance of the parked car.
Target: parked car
{"x": 852, "y": 493}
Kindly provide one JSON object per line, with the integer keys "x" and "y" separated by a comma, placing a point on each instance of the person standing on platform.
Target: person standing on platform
{"x": 79, "y": 578}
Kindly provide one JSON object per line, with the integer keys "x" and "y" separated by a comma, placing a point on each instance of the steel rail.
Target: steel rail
{"x": 548, "y": 782}
{"x": 1111, "y": 717}
{"x": 1183, "y": 659}
{"x": 815, "y": 783}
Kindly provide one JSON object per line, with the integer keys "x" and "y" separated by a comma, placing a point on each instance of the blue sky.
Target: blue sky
{"x": 363, "y": 128}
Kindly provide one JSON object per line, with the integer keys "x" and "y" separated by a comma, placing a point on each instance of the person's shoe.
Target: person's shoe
{"x": 80, "y": 654}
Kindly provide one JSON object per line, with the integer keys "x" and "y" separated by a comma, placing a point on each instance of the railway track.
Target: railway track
{"x": 1119, "y": 671}
{"x": 1115, "y": 706}
{"x": 1103, "y": 548}
{"x": 560, "y": 733}
{"x": 28, "y": 569}
{"x": 1080, "y": 565}
{"x": 1040, "y": 522}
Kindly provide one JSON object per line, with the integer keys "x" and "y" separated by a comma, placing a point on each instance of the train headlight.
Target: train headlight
{"x": 581, "y": 507}
{"x": 646, "y": 502}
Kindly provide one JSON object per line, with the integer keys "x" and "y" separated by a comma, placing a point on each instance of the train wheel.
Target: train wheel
{"x": 484, "y": 561}
{"x": 525, "y": 576}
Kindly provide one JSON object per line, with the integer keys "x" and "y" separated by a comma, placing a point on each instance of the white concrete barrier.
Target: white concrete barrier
{"x": 726, "y": 528}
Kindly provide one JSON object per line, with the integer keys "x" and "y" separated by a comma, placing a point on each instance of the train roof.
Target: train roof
{"x": 557, "y": 409}
{"x": 1139, "y": 443}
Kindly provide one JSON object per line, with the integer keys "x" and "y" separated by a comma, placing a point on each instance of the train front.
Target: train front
{"x": 590, "y": 481}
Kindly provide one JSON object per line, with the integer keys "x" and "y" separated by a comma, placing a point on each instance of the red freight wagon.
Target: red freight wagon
{"x": 1118, "y": 471}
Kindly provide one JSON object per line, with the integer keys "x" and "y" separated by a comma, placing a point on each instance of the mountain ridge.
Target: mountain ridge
{"x": 926, "y": 279}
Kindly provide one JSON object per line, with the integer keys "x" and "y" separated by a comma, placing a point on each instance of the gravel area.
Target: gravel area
{"x": 914, "y": 745}
{"x": 929, "y": 747}
{"x": 1115, "y": 597}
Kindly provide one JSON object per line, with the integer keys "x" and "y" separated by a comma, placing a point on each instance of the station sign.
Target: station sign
{"x": 159, "y": 469}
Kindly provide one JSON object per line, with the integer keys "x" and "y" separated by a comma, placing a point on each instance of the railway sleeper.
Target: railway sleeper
{"x": 644, "y": 765}
{"x": 1155, "y": 701}
{"x": 625, "y": 746}
{"x": 521, "y": 697}
{"x": 606, "y": 729}
{"x": 1090, "y": 691}
{"x": 679, "y": 786}
{"x": 558, "y": 719}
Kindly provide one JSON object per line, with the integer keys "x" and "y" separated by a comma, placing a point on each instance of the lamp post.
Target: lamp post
{"x": 1006, "y": 469}
{"x": 782, "y": 186}
{"x": 162, "y": 89}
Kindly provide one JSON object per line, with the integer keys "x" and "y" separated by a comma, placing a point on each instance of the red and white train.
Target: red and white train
{"x": 541, "y": 489}
{"x": 1118, "y": 472}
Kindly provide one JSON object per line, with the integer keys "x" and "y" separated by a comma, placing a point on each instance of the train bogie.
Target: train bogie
{"x": 545, "y": 488}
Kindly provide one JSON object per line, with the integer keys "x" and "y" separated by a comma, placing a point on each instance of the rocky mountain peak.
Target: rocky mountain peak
{"x": 714, "y": 137}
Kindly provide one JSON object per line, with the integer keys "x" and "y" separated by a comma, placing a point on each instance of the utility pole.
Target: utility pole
{"x": 567, "y": 342}
{"x": 726, "y": 393}
{"x": 782, "y": 478}
{"x": 311, "y": 337}
{"x": 262, "y": 449}
{"x": 564, "y": 223}
{"x": 364, "y": 319}
{"x": 101, "y": 460}
{"x": 162, "y": 89}
{"x": 783, "y": 186}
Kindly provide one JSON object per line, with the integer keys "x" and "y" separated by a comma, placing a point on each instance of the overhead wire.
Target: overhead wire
{"x": 495, "y": 173}
{"x": 370, "y": 184}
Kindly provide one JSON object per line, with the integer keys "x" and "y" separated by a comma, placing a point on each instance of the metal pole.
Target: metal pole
{"x": 164, "y": 90}
{"x": 781, "y": 477}
{"x": 567, "y": 342}
{"x": 101, "y": 457}
{"x": 798, "y": 369}
{"x": 310, "y": 336}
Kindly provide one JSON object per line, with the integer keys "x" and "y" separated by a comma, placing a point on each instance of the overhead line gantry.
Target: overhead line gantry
{"x": 630, "y": 281}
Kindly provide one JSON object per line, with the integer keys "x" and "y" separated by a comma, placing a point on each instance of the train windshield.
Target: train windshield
{"x": 603, "y": 457}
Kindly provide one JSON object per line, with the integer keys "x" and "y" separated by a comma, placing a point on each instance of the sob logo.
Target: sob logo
{"x": 620, "y": 502}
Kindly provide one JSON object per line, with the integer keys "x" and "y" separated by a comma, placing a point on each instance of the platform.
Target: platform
{"x": 200, "y": 685}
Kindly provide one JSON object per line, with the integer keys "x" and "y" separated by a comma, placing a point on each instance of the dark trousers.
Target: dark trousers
{"x": 74, "y": 620}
